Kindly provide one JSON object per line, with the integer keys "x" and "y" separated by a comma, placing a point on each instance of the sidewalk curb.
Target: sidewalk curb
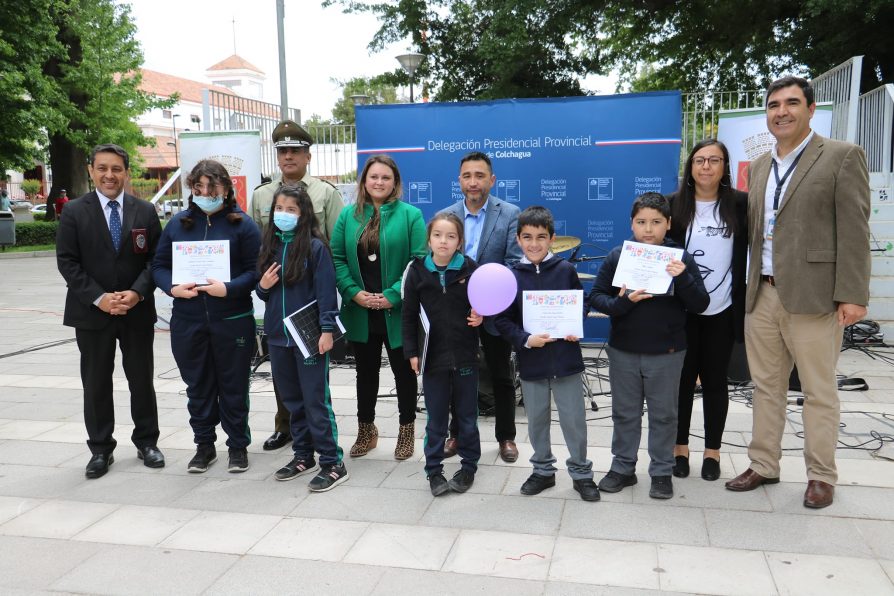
{"x": 23, "y": 255}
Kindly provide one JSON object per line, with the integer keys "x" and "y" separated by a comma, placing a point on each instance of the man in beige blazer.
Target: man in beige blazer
{"x": 808, "y": 278}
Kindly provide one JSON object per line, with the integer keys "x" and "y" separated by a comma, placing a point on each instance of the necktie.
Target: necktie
{"x": 115, "y": 225}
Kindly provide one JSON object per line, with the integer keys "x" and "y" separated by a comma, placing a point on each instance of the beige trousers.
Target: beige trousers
{"x": 774, "y": 340}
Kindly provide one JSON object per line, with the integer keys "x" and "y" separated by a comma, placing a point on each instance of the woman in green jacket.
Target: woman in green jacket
{"x": 372, "y": 243}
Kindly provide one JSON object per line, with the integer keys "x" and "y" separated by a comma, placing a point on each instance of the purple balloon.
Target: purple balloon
{"x": 492, "y": 289}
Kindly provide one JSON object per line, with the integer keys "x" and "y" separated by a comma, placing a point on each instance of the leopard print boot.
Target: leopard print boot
{"x": 367, "y": 438}
{"x": 406, "y": 441}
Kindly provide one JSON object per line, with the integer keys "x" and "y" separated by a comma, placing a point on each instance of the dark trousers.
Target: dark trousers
{"x": 368, "y": 358}
{"x": 215, "y": 363}
{"x": 709, "y": 342}
{"x": 458, "y": 388}
{"x": 98, "y": 348}
{"x": 304, "y": 388}
{"x": 281, "y": 422}
{"x": 497, "y": 353}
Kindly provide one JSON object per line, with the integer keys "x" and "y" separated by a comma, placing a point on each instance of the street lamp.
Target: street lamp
{"x": 174, "y": 130}
{"x": 410, "y": 62}
{"x": 360, "y": 99}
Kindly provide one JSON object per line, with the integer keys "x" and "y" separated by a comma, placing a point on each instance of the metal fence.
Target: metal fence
{"x": 334, "y": 151}
{"x": 841, "y": 86}
{"x": 701, "y": 112}
{"x": 876, "y": 128}
{"x": 231, "y": 112}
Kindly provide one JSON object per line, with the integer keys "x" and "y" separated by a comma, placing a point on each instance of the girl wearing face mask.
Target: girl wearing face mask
{"x": 213, "y": 325}
{"x": 297, "y": 269}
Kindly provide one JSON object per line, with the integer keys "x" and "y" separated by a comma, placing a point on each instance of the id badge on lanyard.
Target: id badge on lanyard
{"x": 780, "y": 182}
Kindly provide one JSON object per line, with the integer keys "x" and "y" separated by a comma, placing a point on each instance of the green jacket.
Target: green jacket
{"x": 401, "y": 237}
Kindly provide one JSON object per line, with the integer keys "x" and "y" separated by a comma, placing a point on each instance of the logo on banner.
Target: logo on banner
{"x": 600, "y": 189}
{"x": 420, "y": 192}
{"x": 509, "y": 190}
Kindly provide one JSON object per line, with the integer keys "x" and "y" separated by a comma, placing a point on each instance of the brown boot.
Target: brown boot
{"x": 406, "y": 441}
{"x": 367, "y": 438}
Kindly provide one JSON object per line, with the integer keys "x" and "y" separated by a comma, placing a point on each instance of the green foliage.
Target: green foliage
{"x": 482, "y": 49}
{"x": 36, "y": 232}
{"x": 30, "y": 187}
{"x": 487, "y": 49}
{"x": 27, "y": 41}
{"x": 69, "y": 76}
{"x": 378, "y": 90}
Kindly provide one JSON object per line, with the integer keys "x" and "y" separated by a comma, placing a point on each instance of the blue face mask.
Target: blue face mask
{"x": 286, "y": 222}
{"x": 208, "y": 204}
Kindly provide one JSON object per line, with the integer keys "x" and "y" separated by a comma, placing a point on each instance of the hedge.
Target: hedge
{"x": 36, "y": 232}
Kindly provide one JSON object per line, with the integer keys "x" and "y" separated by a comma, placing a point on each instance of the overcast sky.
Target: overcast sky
{"x": 185, "y": 37}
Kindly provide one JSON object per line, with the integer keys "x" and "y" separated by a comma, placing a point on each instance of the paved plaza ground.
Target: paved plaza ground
{"x": 143, "y": 531}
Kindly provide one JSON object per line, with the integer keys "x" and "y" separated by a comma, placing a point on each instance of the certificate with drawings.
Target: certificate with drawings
{"x": 644, "y": 267}
{"x": 200, "y": 260}
{"x": 557, "y": 312}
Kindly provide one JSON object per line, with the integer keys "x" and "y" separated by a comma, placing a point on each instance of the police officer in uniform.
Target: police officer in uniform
{"x": 292, "y": 145}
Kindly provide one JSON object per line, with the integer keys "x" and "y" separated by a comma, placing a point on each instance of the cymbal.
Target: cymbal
{"x": 586, "y": 276}
{"x": 565, "y": 243}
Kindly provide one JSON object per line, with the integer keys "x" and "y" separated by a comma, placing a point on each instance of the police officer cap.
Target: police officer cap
{"x": 288, "y": 134}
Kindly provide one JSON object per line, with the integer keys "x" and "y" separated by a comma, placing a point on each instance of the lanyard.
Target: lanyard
{"x": 780, "y": 182}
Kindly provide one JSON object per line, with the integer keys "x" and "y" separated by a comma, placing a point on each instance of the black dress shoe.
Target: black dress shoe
{"x": 99, "y": 465}
{"x": 536, "y": 484}
{"x": 151, "y": 456}
{"x": 681, "y": 466}
{"x": 276, "y": 441}
{"x": 710, "y": 469}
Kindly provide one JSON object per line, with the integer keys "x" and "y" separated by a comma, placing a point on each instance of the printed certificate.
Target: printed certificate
{"x": 643, "y": 267}
{"x": 557, "y": 312}
{"x": 200, "y": 260}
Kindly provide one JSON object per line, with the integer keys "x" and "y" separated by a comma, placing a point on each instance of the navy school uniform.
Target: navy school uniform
{"x": 213, "y": 338}
{"x": 303, "y": 384}
{"x": 451, "y": 367}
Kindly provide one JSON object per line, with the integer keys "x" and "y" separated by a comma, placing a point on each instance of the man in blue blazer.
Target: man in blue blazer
{"x": 104, "y": 247}
{"x": 490, "y": 236}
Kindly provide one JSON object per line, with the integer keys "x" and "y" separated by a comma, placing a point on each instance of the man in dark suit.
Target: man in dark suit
{"x": 104, "y": 249}
{"x": 490, "y": 231}
{"x": 808, "y": 278}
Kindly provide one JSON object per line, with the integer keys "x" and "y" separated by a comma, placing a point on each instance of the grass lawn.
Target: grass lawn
{"x": 31, "y": 248}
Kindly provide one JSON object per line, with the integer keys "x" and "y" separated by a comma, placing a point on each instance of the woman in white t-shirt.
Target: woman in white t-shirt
{"x": 708, "y": 219}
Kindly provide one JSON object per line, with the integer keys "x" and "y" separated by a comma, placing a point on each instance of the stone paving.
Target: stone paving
{"x": 143, "y": 531}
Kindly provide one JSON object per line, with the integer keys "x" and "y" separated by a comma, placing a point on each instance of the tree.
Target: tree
{"x": 487, "y": 49}
{"x": 69, "y": 77}
{"x": 378, "y": 90}
{"x": 715, "y": 44}
{"x": 481, "y": 49}
{"x": 27, "y": 41}
{"x": 98, "y": 76}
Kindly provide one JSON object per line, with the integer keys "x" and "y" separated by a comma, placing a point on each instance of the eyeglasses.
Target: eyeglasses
{"x": 714, "y": 161}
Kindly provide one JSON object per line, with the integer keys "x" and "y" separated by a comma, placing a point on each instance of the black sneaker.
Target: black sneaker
{"x": 613, "y": 482}
{"x": 461, "y": 481}
{"x": 328, "y": 478}
{"x": 536, "y": 484}
{"x": 238, "y": 461}
{"x": 587, "y": 489}
{"x": 295, "y": 468}
{"x": 205, "y": 455}
{"x": 662, "y": 487}
{"x": 438, "y": 484}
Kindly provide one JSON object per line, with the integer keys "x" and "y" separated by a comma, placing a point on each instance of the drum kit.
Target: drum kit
{"x": 573, "y": 243}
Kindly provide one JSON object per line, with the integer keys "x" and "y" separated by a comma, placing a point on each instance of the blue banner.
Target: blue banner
{"x": 584, "y": 158}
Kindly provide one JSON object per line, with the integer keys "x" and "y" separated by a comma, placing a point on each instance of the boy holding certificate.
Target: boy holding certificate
{"x": 548, "y": 364}
{"x": 647, "y": 343}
